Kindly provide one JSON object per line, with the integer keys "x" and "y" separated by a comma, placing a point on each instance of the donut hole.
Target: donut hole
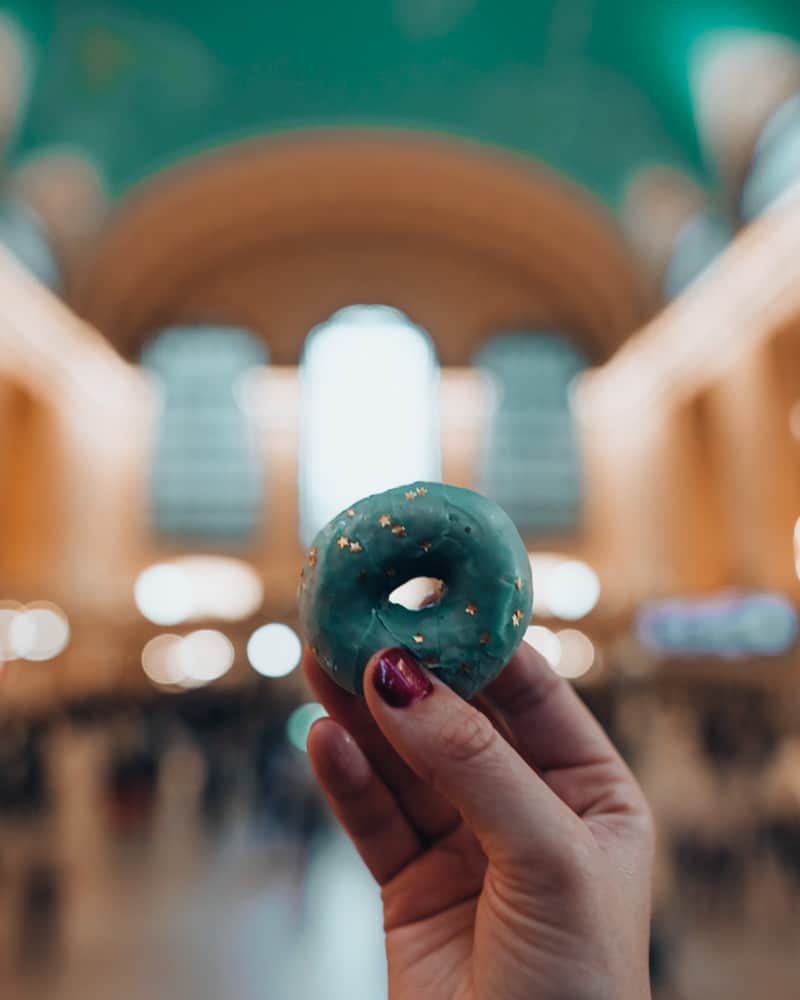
{"x": 419, "y": 592}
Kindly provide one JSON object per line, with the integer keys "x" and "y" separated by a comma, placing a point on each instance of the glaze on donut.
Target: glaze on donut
{"x": 420, "y": 530}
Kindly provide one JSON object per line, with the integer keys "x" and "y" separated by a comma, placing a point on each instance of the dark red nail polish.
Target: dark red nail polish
{"x": 399, "y": 680}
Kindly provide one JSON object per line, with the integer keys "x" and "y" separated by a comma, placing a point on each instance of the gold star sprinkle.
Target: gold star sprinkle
{"x": 312, "y": 557}
{"x": 426, "y": 546}
{"x": 466, "y": 668}
{"x": 399, "y": 530}
{"x": 516, "y": 618}
{"x": 411, "y": 495}
{"x": 421, "y": 491}
{"x": 384, "y": 520}
{"x": 355, "y": 546}
{"x": 485, "y": 637}
{"x": 419, "y": 638}
{"x": 343, "y": 541}
{"x": 471, "y": 608}
{"x": 351, "y": 513}
{"x": 518, "y": 583}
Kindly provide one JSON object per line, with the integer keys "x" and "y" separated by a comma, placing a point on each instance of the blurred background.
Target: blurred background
{"x": 257, "y": 261}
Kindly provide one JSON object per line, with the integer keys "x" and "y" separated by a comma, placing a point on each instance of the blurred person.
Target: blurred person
{"x": 512, "y": 845}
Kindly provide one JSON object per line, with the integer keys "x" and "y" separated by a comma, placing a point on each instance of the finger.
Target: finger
{"x": 455, "y": 748}
{"x": 363, "y": 804}
{"x": 557, "y": 734}
{"x": 430, "y": 814}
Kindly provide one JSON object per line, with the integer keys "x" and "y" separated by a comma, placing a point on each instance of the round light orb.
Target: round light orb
{"x": 221, "y": 587}
{"x": 571, "y": 590}
{"x": 197, "y": 588}
{"x": 299, "y": 723}
{"x": 203, "y": 656}
{"x": 577, "y": 654}
{"x": 546, "y": 642}
{"x": 163, "y": 594}
{"x": 159, "y": 661}
{"x": 8, "y": 612}
{"x": 39, "y": 632}
{"x": 274, "y": 650}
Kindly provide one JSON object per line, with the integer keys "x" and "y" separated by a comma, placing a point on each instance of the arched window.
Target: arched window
{"x": 207, "y": 476}
{"x": 23, "y": 234}
{"x": 699, "y": 242}
{"x": 370, "y": 416}
{"x": 775, "y": 168}
{"x": 530, "y": 462}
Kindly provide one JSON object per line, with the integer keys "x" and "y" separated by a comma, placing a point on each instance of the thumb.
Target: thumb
{"x": 455, "y": 748}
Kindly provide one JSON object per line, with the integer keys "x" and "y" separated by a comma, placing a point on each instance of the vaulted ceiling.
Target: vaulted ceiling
{"x": 596, "y": 88}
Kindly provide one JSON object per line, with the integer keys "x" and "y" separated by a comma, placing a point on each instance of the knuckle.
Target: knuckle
{"x": 466, "y": 737}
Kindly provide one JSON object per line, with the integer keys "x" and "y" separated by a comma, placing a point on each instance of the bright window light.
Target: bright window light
{"x": 370, "y": 416}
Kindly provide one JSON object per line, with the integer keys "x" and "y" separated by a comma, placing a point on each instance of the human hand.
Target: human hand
{"x": 511, "y": 843}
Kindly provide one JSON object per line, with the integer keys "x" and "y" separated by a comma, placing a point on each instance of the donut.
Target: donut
{"x": 420, "y": 530}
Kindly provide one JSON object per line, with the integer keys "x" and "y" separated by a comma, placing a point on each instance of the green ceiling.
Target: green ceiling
{"x": 597, "y": 88}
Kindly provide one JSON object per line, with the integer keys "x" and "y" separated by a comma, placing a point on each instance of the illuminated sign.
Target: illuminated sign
{"x": 730, "y": 625}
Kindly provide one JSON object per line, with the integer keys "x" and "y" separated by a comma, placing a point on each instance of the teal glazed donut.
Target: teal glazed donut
{"x": 421, "y": 530}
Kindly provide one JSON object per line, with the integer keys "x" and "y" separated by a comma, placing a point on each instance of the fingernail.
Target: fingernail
{"x": 399, "y": 680}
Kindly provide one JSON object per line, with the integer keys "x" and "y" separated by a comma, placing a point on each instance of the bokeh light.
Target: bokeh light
{"x": 188, "y": 661}
{"x": 563, "y": 587}
{"x": 159, "y": 662}
{"x": 204, "y": 656}
{"x": 274, "y": 650}
{"x": 193, "y": 588}
{"x": 577, "y": 653}
{"x": 546, "y": 642}
{"x": 163, "y": 594}
{"x": 8, "y": 612}
{"x": 39, "y": 632}
{"x": 572, "y": 590}
{"x": 299, "y": 723}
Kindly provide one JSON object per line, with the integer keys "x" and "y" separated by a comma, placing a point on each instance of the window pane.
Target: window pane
{"x": 23, "y": 235}
{"x": 370, "y": 411}
{"x": 207, "y": 477}
{"x": 698, "y": 244}
{"x": 776, "y": 164}
{"x": 530, "y": 463}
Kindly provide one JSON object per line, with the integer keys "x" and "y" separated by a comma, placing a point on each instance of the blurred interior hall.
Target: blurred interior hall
{"x": 260, "y": 260}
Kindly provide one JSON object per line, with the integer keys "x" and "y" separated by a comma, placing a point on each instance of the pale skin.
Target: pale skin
{"x": 512, "y": 845}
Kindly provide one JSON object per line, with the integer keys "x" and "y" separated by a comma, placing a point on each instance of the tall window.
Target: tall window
{"x": 369, "y": 411}
{"x": 23, "y": 234}
{"x": 530, "y": 462}
{"x": 207, "y": 477}
{"x": 775, "y": 169}
{"x": 698, "y": 244}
